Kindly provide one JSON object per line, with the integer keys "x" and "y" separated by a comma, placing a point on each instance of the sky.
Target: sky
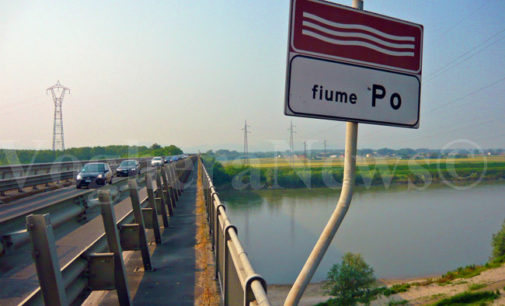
{"x": 190, "y": 72}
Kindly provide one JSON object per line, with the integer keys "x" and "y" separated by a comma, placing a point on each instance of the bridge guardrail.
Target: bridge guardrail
{"x": 22, "y": 170}
{"x": 33, "y": 181}
{"x": 240, "y": 285}
{"x": 18, "y": 177}
{"x": 100, "y": 265}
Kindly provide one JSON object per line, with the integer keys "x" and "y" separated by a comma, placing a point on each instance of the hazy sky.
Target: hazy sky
{"x": 190, "y": 72}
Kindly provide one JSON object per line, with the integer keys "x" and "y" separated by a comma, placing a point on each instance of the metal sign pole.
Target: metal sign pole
{"x": 315, "y": 257}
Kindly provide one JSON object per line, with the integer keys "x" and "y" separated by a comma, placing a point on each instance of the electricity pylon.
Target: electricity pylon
{"x": 246, "y": 145}
{"x": 58, "y": 93}
{"x": 291, "y": 141}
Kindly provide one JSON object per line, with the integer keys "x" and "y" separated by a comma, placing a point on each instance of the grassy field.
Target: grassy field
{"x": 339, "y": 162}
{"x": 281, "y": 172}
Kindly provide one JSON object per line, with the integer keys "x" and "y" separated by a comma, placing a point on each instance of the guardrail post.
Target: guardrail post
{"x": 152, "y": 204}
{"x": 226, "y": 252}
{"x": 166, "y": 190}
{"x": 171, "y": 184}
{"x": 216, "y": 233}
{"x": 112, "y": 234}
{"x": 161, "y": 195}
{"x": 46, "y": 259}
{"x": 137, "y": 212}
{"x": 248, "y": 294}
{"x": 177, "y": 182}
{"x": 174, "y": 180}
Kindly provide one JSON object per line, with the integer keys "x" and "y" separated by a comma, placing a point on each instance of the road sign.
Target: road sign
{"x": 352, "y": 65}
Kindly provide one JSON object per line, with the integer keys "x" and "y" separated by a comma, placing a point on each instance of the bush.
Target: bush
{"x": 216, "y": 170}
{"x": 498, "y": 242}
{"x": 468, "y": 297}
{"x": 397, "y": 288}
{"x": 474, "y": 287}
{"x": 351, "y": 281}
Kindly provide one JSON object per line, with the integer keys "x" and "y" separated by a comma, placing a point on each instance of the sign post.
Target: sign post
{"x": 346, "y": 64}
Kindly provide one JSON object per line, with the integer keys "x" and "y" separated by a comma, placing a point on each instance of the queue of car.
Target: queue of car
{"x": 160, "y": 160}
{"x": 100, "y": 173}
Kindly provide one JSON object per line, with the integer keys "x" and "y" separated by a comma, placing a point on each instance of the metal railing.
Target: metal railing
{"x": 99, "y": 266}
{"x": 33, "y": 181}
{"x": 18, "y": 177}
{"x": 21, "y": 170}
{"x": 240, "y": 285}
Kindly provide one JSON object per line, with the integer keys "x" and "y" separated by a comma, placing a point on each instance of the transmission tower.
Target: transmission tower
{"x": 58, "y": 93}
{"x": 246, "y": 145}
{"x": 305, "y": 151}
{"x": 325, "y": 147}
{"x": 291, "y": 140}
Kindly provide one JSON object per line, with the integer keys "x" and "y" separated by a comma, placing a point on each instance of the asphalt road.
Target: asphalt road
{"x": 26, "y": 205}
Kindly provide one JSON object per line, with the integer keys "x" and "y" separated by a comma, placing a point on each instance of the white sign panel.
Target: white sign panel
{"x": 328, "y": 89}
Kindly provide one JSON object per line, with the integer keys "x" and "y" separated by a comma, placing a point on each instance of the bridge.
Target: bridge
{"x": 161, "y": 237}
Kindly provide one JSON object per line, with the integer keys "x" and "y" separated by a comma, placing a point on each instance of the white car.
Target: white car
{"x": 157, "y": 161}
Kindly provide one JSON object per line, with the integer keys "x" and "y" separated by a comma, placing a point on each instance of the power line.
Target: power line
{"x": 461, "y": 58}
{"x": 454, "y": 25}
{"x": 489, "y": 85}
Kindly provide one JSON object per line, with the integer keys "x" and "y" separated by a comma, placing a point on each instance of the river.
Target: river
{"x": 401, "y": 233}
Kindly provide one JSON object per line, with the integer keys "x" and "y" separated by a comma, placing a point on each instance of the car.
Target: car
{"x": 167, "y": 159}
{"x": 94, "y": 174}
{"x": 157, "y": 161}
{"x": 174, "y": 158}
{"x": 128, "y": 167}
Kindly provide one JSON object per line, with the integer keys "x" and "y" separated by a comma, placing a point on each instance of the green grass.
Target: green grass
{"x": 397, "y": 288}
{"x": 469, "y": 271}
{"x": 474, "y": 287}
{"x": 393, "y": 303}
{"x": 461, "y": 272}
{"x": 469, "y": 298}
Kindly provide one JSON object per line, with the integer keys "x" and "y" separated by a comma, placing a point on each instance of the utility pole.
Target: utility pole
{"x": 246, "y": 145}
{"x": 58, "y": 93}
{"x": 305, "y": 152}
{"x": 291, "y": 141}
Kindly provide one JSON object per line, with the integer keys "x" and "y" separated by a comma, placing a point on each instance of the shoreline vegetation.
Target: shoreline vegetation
{"x": 269, "y": 173}
{"x": 473, "y": 283}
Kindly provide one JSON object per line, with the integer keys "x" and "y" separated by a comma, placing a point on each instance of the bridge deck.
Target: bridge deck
{"x": 175, "y": 276}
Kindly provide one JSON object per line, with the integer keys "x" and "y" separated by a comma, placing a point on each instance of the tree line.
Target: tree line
{"x": 10, "y": 157}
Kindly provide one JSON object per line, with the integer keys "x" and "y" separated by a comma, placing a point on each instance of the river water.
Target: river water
{"x": 401, "y": 233}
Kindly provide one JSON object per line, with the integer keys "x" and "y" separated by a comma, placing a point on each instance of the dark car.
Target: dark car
{"x": 94, "y": 174}
{"x": 174, "y": 158}
{"x": 128, "y": 167}
{"x": 167, "y": 159}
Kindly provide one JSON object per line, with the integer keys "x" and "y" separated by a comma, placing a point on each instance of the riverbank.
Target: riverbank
{"x": 431, "y": 292}
{"x": 265, "y": 174}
